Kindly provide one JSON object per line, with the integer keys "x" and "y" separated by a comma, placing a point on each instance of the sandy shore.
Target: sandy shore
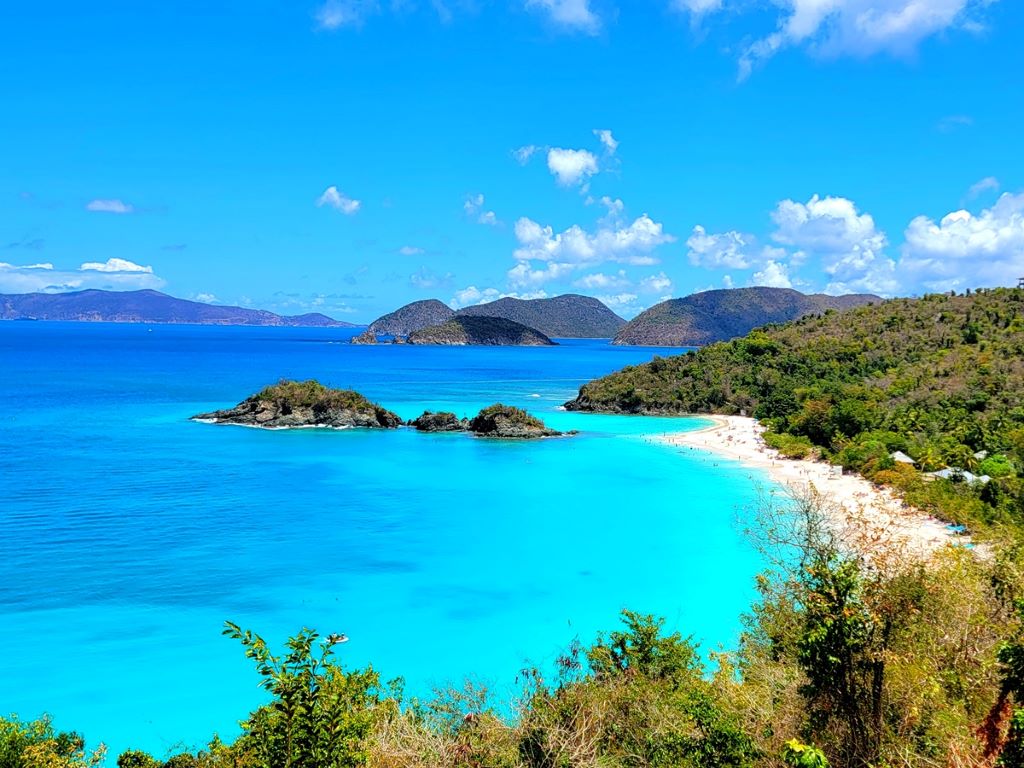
{"x": 861, "y": 512}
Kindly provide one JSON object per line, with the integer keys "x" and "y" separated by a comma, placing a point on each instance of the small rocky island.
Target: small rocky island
{"x": 298, "y": 404}
{"x": 292, "y": 404}
{"x": 496, "y": 420}
{"x": 485, "y": 331}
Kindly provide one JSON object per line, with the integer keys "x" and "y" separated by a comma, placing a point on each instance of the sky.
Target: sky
{"x": 350, "y": 156}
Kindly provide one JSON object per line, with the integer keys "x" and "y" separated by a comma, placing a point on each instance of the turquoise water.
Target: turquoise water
{"x": 130, "y": 534}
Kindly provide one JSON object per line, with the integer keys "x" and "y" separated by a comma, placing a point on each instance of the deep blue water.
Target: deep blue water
{"x": 130, "y": 534}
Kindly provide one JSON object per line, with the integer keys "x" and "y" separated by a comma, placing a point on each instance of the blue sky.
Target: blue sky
{"x": 348, "y": 157}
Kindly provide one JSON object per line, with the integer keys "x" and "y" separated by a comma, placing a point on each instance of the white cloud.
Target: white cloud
{"x": 601, "y": 281}
{"x": 696, "y": 7}
{"x": 473, "y": 295}
{"x": 631, "y": 244}
{"x": 522, "y": 275}
{"x": 336, "y": 14}
{"x": 474, "y": 208}
{"x": 730, "y": 249}
{"x": 980, "y": 187}
{"x": 727, "y": 281}
{"x": 609, "y": 142}
{"x": 859, "y": 27}
{"x": 44, "y": 278}
{"x": 109, "y": 206}
{"x": 523, "y": 154}
{"x": 338, "y": 201}
{"x": 848, "y": 245}
{"x": 967, "y": 250}
{"x": 773, "y": 275}
{"x": 410, "y": 250}
{"x": 659, "y": 283}
{"x": 571, "y": 166}
{"x": 206, "y": 298}
{"x": 115, "y": 265}
{"x": 572, "y": 15}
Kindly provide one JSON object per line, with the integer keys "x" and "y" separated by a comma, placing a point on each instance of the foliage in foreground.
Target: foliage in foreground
{"x": 844, "y": 662}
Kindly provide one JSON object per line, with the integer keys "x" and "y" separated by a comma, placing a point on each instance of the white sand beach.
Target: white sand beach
{"x": 863, "y": 513}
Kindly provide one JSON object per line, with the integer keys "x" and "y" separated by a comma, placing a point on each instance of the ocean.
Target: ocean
{"x": 130, "y": 534}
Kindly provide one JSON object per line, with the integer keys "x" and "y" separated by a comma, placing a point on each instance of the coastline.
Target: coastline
{"x": 862, "y": 514}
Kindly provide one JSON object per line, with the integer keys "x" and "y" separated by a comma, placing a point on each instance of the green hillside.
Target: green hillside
{"x": 940, "y": 378}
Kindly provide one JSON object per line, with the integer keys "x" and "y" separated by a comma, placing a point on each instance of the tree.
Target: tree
{"x": 320, "y": 715}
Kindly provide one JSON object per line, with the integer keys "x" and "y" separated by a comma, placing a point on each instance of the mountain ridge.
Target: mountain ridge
{"x": 719, "y": 315}
{"x": 146, "y": 306}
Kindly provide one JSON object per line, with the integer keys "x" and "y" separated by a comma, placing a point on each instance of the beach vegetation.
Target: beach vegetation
{"x": 938, "y": 378}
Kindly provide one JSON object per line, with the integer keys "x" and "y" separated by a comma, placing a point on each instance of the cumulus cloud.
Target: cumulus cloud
{"x": 773, "y": 275}
{"x": 963, "y": 249}
{"x": 114, "y": 274}
{"x": 473, "y": 295}
{"x": 606, "y": 138}
{"x": 339, "y": 201}
{"x": 109, "y": 206}
{"x": 632, "y": 244}
{"x": 571, "y": 166}
{"x": 828, "y": 234}
{"x": 115, "y": 265}
{"x": 410, "y": 250}
{"x": 206, "y": 298}
{"x": 474, "y": 208}
{"x": 857, "y": 27}
{"x": 603, "y": 282}
{"x": 659, "y": 283}
{"x": 730, "y": 249}
{"x": 846, "y": 243}
{"x": 570, "y": 15}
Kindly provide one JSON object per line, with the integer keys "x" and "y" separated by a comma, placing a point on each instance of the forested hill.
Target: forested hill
{"x": 411, "y": 317}
{"x": 566, "y": 316}
{"x": 940, "y": 378}
{"x": 710, "y": 316}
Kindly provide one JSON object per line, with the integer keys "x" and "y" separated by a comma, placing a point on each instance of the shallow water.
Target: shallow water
{"x": 131, "y": 533}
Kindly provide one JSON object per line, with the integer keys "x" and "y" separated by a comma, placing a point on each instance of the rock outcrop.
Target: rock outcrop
{"x": 294, "y": 404}
{"x": 442, "y": 421}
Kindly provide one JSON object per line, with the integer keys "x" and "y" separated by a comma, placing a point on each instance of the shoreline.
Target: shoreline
{"x": 861, "y": 513}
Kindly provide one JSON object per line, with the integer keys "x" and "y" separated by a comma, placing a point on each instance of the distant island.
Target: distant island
{"x": 309, "y": 404}
{"x": 712, "y": 316}
{"x": 483, "y": 331}
{"x": 567, "y": 316}
{"x": 146, "y": 306}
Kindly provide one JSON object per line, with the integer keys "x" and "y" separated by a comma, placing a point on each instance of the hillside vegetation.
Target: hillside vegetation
{"x": 710, "y": 316}
{"x": 411, "y": 317}
{"x": 567, "y": 316}
{"x": 486, "y": 331}
{"x": 940, "y": 378}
